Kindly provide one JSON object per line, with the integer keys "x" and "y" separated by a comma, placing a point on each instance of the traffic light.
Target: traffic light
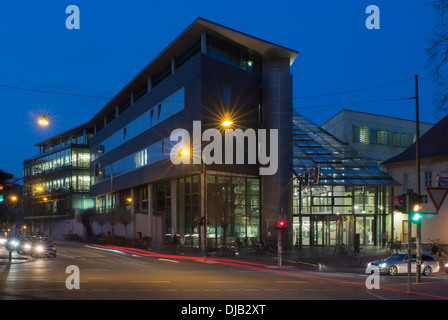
{"x": 401, "y": 203}
{"x": 416, "y": 217}
{"x": 200, "y": 221}
{"x": 416, "y": 214}
{"x": 281, "y": 224}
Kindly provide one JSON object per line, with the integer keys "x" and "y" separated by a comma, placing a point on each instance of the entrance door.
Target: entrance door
{"x": 364, "y": 227}
{"x": 319, "y": 233}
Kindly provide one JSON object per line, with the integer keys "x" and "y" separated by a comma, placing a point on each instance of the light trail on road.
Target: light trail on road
{"x": 282, "y": 271}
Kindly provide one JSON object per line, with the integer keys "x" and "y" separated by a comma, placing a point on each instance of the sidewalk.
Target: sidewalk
{"x": 321, "y": 258}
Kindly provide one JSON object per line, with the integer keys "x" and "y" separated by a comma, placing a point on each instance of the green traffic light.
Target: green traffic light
{"x": 416, "y": 217}
{"x": 1, "y": 198}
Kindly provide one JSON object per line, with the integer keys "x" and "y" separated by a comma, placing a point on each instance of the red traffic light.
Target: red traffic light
{"x": 282, "y": 224}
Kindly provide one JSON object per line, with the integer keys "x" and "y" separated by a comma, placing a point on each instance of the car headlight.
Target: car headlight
{"x": 382, "y": 265}
{"x": 14, "y": 243}
{"x": 446, "y": 265}
{"x": 2, "y": 241}
{"x": 27, "y": 246}
{"x": 39, "y": 248}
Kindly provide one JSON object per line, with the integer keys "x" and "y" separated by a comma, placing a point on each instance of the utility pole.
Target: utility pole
{"x": 408, "y": 210}
{"x": 417, "y": 166}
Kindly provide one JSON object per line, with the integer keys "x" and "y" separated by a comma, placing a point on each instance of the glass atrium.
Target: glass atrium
{"x": 351, "y": 202}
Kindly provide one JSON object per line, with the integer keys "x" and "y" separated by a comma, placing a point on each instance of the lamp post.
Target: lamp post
{"x": 111, "y": 190}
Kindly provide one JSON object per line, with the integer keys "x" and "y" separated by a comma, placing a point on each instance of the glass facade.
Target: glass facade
{"x": 350, "y": 204}
{"x": 62, "y": 171}
{"x": 152, "y": 154}
{"x": 233, "y": 209}
{"x": 157, "y": 114}
{"x": 371, "y": 136}
{"x": 68, "y": 158}
{"x": 235, "y": 56}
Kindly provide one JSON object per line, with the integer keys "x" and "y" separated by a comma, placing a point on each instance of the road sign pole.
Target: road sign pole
{"x": 408, "y": 201}
{"x": 417, "y": 167}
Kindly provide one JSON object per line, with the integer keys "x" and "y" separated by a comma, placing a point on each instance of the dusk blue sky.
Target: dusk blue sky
{"x": 117, "y": 39}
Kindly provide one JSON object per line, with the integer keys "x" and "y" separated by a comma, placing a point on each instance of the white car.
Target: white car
{"x": 398, "y": 264}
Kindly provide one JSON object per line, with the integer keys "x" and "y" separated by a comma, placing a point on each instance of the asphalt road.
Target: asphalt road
{"x": 106, "y": 274}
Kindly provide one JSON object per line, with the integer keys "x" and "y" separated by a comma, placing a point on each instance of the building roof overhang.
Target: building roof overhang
{"x": 184, "y": 41}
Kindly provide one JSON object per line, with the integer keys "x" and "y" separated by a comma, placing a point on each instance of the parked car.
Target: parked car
{"x": 398, "y": 264}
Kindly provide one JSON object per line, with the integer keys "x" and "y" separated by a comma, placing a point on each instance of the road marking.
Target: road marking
{"x": 151, "y": 281}
{"x": 295, "y": 282}
{"x": 233, "y": 290}
{"x": 169, "y": 260}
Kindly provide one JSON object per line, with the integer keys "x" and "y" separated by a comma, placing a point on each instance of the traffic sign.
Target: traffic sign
{"x": 437, "y": 195}
{"x": 443, "y": 181}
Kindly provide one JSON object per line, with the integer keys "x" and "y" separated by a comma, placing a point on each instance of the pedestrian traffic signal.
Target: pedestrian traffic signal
{"x": 401, "y": 203}
{"x": 281, "y": 224}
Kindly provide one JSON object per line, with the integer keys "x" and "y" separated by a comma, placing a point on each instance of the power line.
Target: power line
{"x": 355, "y": 90}
{"x": 53, "y": 92}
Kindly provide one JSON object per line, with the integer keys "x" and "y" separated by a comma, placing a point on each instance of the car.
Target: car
{"x": 2, "y": 240}
{"x": 43, "y": 247}
{"x": 398, "y": 264}
{"x": 13, "y": 243}
{"x": 26, "y": 245}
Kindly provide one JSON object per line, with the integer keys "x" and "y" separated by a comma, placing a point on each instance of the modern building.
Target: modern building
{"x": 209, "y": 73}
{"x": 57, "y": 182}
{"x": 204, "y": 144}
{"x": 377, "y": 137}
{"x": 433, "y": 151}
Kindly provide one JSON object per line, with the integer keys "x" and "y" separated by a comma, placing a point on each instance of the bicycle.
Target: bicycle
{"x": 394, "y": 246}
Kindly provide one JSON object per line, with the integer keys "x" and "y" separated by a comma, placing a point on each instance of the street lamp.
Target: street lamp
{"x": 43, "y": 121}
{"x": 227, "y": 123}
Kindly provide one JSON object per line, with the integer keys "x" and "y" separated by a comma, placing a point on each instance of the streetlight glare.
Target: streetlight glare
{"x": 183, "y": 152}
{"x": 227, "y": 123}
{"x": 43, "y": 121}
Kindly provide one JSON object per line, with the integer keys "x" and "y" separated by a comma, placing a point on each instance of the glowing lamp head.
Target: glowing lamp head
{"x": 183, "y": 153}
{"x": 227, "y": 123}
{"x": 43, "y": 121}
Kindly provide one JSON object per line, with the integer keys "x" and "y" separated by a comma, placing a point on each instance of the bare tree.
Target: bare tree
{"x": 85, "y": 217}
{"x": 438, "y": 53}
{"x": 119, "y": 216}
{"x": 101, "y": 220}
{"x": 226, "y": 204}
